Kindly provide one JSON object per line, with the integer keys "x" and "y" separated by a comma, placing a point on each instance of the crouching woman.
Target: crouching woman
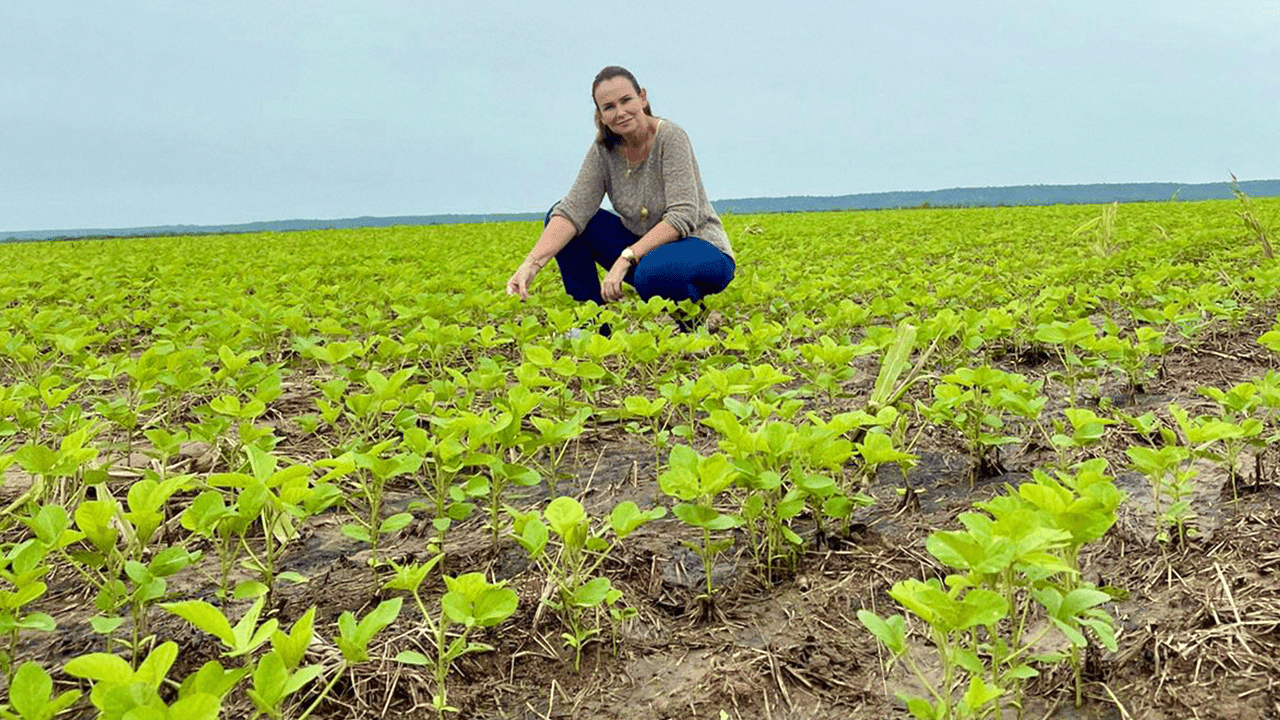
{"x": 665, "y": 240}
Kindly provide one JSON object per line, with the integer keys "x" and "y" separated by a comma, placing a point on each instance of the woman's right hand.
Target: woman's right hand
{"x": 522, "y": 278}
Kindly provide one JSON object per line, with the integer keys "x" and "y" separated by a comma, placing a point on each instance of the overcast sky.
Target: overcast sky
{"x": 121, "y": 113}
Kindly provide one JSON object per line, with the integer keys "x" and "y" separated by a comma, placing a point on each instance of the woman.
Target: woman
{"x": 666, "y": 240}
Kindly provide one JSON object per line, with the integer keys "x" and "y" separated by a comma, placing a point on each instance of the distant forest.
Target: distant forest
{"x": 999, "y": 196}
{"x": 955, "y": 197}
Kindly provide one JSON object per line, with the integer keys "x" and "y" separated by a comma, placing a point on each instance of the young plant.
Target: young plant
{"x": 280, "y": 672}
{"x": 1170, "y": 475}
{"x": 121, "y": 692}
{"x": 448, "y": 454}
{"x": 878, "y": 448}
{"x": 31, "y": 695}
{"x": 123, "y": 561}
{"x": 22, "y": 567}
{"x": 1087, "y": 429}
{"x": 1022, "y": 554}
{"x": 1131, "y": 357}
{"x": 353, "y": 641}
{"x": 1250, "y": 406}
{"x": 581, "y": 596}
{"x": 975, "y": 401}
{"x": 648, "y": 419}
{"x": 1203, "y": 433}
{"x": 696, "y": 482}
{"x": 57, "y": 473}
{"x": 1068, "y": 340}
{"x": 829, "y": 365}
{"x": 239, "y": 640}
{"x": 276, "y": 500}
{"x": 370, "y": 472}
{"x": 470, "y": 601}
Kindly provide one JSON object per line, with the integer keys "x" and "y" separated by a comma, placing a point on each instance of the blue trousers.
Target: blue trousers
{"x": 686, "y": 269}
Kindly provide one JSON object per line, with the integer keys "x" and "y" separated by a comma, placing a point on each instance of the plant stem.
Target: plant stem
{"x": 324, "y": 693}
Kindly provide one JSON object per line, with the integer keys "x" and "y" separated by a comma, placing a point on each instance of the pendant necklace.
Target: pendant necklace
{"x": 632, "y": 167}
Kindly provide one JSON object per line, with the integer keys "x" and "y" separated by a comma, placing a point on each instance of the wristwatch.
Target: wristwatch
{"x": 629, "y": 255}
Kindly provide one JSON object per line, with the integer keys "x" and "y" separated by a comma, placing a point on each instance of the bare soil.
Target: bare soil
{"x": 1199, "y": 634}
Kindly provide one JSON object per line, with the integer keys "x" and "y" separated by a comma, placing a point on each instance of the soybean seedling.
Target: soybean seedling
{"x": 580, "y": 594}
{"x": 470, "y": 601}
{"x": 696, "y": 482}
{"x": 31, "y": 695}
{"x": 121, "y": 691}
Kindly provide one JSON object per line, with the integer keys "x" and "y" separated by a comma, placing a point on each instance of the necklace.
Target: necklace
{"x": 633, "y": 165}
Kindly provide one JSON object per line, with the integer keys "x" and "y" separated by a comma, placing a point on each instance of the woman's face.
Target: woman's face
{"x": 621, "y": 108}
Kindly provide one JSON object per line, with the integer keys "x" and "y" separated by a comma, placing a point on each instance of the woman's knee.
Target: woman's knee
{"x": 687, "y": 269}
{"x": 665, "y": 280}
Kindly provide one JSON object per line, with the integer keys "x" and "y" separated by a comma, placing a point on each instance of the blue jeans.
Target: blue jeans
{"x": 686, "y": 269}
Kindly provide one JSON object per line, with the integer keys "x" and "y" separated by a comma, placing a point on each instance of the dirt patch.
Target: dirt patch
{"x": 1199, "y": 634}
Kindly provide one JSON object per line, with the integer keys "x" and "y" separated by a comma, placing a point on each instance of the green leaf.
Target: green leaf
{"x": 409, "y": 657}
{"x": 212, "y": 679}
{"x": 356, "y": 532}
{"x": 1081, "y": 599}
{"x": 565, "y": 516}
{"x": 591, "y": 593}
{"x": 105, "y": 625}
{"x": 153, "y": 670}
{"x": 980, "y": 694}
{"x": 249, "y": 589}
{"x": 626, "y": 517}
{"x": 494, "y": 605}
{"x": 37, "y": 621}
{"x": 702, "y": 516}
{"x": 1022, "y": 672}
{"x": 102, "y": 667}
{"x": 395, "y": 523}
{"x": 269, "y": 678}
{"x": 1073, "y": 635}
{"x": 206, "y": 617}
{"x": 293, "y": 646}
{"x": 457, "y": 608}
{"x": 354, "y": 637}
{"x": 890, "y": 631}
{"x": 920, "y": 708}
{"x": 981, "y": 607}
{"x": 533, "y": 538}
{"x": 30, "y": 690}
{"x": 197, "y": 706}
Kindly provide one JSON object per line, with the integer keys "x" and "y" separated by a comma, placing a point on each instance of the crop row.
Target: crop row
{"x": 187, "y": 407}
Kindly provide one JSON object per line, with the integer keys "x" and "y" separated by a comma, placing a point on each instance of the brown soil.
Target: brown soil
{"x": 1199, "y": 635}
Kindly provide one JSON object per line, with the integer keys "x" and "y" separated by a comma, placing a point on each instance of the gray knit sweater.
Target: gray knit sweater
{"x": 664, "y": 186}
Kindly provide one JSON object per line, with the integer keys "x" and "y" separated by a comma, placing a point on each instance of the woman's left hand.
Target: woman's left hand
{"x": 611, "y": 286}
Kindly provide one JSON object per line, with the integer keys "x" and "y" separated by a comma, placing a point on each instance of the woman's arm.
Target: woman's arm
{"x": 558, "y": 232}
{"x": 571, "y": 213}
{"x": 660, "y": 234}
{"x": 680, "y": 183}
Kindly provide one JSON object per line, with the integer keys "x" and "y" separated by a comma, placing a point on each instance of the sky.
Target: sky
{"x": 126, "y": 113}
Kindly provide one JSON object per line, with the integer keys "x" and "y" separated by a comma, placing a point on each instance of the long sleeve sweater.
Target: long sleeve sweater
{"x": 666, "y": 185}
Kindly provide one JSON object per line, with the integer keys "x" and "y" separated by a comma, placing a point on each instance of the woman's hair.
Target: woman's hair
{"x": 604, "y": 135}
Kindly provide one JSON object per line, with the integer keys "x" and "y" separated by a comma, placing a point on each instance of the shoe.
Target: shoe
{"x": 574, "y": 333}
{"x": 715, "y": 321}
{"x": 710, "y": 322}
